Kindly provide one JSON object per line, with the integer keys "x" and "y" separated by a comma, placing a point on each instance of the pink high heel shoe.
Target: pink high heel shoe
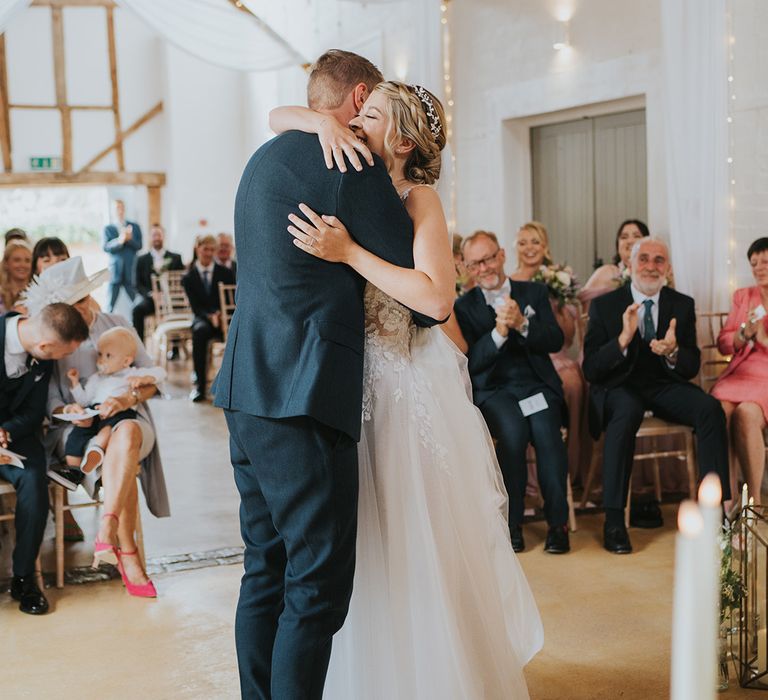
{"x": 103, "y": 551}
{"x": 143, "y": 590}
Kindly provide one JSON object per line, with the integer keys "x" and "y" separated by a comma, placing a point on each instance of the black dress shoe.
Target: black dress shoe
{"x": 616, "y": 539}
{"x": 516, "y": 535}
{"x": 197, "y": 396}
{"x": 557, "y": 540}
{"x": 30, "y": 597}
{"x": 645, "y": 514}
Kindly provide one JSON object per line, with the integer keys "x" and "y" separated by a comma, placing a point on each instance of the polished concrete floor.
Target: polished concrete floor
{"x": 606, "y": 618}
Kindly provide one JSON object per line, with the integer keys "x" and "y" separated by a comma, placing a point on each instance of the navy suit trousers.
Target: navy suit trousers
{"x": 513, "y": 433}
{"x": 298, "y": 484}
{"x": 31, "y": 484}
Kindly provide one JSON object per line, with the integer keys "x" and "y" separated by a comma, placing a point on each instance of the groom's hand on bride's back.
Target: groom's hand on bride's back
{"x": 339, "y": 141}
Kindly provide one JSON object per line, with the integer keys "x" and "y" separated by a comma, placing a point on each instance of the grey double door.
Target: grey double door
{"x": 588, "y": 176}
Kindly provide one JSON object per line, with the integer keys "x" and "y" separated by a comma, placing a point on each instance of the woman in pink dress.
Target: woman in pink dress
{"x": 743, "y": 388}
{"x": 532, "y": 245}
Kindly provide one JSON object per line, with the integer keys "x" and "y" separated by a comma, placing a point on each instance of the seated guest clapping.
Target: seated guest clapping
{"x": 132, "y": 448}
{"x": 743, "y": 387}
{"x": 510, "y": 330}
{"x": 640, "y": 353}
{"x": 201, "y": 283}
{"x": 29, "y": 347}
{"x": 154, "y": 262}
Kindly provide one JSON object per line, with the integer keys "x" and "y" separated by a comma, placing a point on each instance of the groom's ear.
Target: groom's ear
{"x": 360, "y": 95}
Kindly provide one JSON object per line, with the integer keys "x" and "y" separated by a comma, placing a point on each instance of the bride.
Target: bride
{"x": 441, "y": 607}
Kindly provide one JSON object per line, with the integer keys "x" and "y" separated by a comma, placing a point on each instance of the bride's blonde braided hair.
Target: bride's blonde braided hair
{"x": 409, "y": 118}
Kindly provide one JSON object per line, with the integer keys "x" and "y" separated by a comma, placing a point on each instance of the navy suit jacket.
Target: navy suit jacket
{"x": 145, "y": 270}
{"x": 295, "y": 345}
{"x": 477, "y": 320}
{"x": 23, "y": 415}
{"x": 122, "y": 257}
{"x": 606, "y": 367}
{"x": 205, "y": 302}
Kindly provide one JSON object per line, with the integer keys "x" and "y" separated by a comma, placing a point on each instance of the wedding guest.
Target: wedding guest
{"x": 608, "y": 277}
{"x": 201, "y": 283}
{"x": 15, "y": 234}
{"x": 464, "y": 281}
{"x": 122, "y": 240}
{"x": 48, "y": 251}
{"x": 30, "y": 345}
{"x": 511, "y": 331}
{"x": 743, "y": 387}
{"x": 640, "y": 354}
{"x": 148, "y": 265}
{"x": 225, "y": 250}
{"x": 132, "y": 449}
{"x": 532, "y": 245}
{"x": 15, "y": 273}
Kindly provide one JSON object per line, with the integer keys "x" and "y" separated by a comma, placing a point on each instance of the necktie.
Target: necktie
{"x": 207, "y": 281}
{"x": 649, "y": 332}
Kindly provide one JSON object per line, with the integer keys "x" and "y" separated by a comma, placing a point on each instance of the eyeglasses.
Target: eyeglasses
{"x": 475, "y": 266}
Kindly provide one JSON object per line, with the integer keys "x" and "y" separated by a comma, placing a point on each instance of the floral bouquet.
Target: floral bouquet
{"x": 560, "y": 281}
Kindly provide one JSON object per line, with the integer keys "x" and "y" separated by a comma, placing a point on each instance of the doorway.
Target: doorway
{"x": 588, "y": 175}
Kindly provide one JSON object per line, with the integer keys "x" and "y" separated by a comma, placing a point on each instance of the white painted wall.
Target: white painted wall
{"x": 508, "y": 78}
{"x": 749, "y": 131}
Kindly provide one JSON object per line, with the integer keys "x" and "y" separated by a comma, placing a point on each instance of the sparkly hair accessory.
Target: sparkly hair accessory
{"x": 433, "y": 119}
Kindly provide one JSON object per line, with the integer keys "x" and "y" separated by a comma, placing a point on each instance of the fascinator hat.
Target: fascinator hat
{"x": 64, "y": 282}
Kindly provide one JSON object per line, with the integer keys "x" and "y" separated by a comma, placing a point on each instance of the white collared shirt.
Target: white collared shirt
{"x": 201, "y": 270}
{"x": 158, "y": 259}
{"x": 493, "y": 297}
{"x": 638, "y": 297}
{"x": 14, "y": 353}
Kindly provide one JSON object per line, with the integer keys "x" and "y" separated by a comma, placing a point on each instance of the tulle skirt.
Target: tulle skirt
{"x": 441, "y": 608}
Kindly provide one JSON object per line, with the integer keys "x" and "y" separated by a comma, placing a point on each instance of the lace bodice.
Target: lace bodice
{"x": 388, "y": 324}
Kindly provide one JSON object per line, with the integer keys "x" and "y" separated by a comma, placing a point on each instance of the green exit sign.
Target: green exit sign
{"x": 45, "y": 163}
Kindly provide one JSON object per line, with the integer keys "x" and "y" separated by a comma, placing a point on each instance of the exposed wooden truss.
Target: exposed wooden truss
{"x": 117, "y": 144}
{"x": 153, "y": 181}
{"x": 47, "y": 179}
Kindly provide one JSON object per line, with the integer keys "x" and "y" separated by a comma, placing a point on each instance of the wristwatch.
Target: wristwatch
{"x": 136, "y": 395}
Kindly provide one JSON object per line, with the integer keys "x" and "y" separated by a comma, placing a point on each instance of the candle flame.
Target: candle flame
{"x": 710, "y": 491}
{"x": 689, "y": 520}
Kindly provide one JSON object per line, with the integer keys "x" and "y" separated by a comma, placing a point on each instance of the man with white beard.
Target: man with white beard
{"x": 640, "y": 353}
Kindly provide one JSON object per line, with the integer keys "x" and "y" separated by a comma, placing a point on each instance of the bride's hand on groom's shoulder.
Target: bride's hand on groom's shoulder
{"x": 325, "y": 237}
{"x": 338, "y": 141}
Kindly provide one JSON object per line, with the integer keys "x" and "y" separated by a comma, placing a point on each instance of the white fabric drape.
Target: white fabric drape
{"x": 694, "y": 36}
{"x": 9, "y": 9}
{"x": 217, "y": 32}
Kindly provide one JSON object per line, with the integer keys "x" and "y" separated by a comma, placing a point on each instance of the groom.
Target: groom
{"x": 291, "y": 386}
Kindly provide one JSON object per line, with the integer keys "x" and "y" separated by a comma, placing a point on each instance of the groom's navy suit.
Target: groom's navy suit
{"x": 501, "y": 377}
{"x": 23, "y": 402}
{"x": 291, "y": 386}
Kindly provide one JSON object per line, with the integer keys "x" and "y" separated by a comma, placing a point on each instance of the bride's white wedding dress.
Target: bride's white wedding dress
{"x": 441, "y": 608}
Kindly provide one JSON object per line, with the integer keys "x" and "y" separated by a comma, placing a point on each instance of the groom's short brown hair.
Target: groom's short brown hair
{"x": 335, "y": 74}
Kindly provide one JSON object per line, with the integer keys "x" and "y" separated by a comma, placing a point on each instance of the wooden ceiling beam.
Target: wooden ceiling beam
{"x": 122, "y": 136}
{"x": 115, "y": 91}
{"x": 47, "y": 179}
{"x": 5, "y": 119}
{"x": 60, "y": 76}
{"x": 73, "y": 3}
{"x": 107, "y": 108}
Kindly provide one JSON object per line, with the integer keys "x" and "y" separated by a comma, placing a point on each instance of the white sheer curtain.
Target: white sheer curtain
{"x": 8, "y": 10}
{"x": 217, "y": 32}
{"x": 694, "y": 35}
